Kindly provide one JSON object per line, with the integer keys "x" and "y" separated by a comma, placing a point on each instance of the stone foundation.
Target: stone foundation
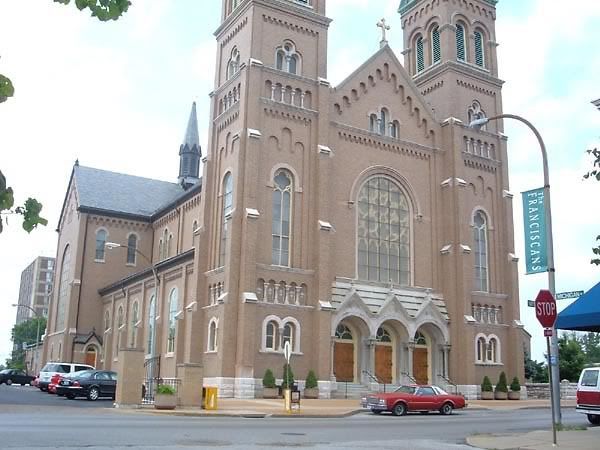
{"x": 568, "y": 391}
{"x": 245, "y": 388}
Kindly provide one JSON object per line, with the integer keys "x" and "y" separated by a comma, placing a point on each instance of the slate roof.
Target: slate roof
{"x": 105, "y": 191}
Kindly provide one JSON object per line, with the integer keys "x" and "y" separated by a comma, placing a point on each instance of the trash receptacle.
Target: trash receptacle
{"x": 209, "y": 397}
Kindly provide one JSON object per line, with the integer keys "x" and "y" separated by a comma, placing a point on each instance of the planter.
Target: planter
{"x": 499, "y": 395}
{"x": 270, "y": 392}
{"x": 311, "y": 393}
{"x": 514, "y": 395}
{"x": 487, "y": 395}
{"x": 165, "y": 401}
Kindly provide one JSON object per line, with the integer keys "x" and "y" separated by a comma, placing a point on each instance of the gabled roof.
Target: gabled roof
{"x": 112, "y": 192}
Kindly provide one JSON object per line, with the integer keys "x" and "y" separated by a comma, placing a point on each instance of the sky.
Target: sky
{"x": 117, "y": 96}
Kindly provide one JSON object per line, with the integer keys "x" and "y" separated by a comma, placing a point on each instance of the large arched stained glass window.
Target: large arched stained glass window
{"x": 226, "y": 208}
{"x": 481, "y": 252}
{"x": 173, "y": 305}
{"x": 63, "y": 289}
{"x": 383, "y": 232}
{"x": 151, "y": 325}
{"x": 282, "y": 218}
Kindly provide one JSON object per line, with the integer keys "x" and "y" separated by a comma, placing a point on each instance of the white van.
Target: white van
{"x": 588, "y": 394}
{"x": 58, "y": 367}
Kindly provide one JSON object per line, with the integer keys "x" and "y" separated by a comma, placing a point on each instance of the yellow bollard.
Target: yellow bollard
{"x": 287, "y": 400}
{"x": 210, "y": 401}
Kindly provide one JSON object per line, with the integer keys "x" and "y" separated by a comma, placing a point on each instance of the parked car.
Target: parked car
{"x": 92, "y": 384}
{"x": 422, "y": 398}
{"x": 10, "y": 376}
{"x": 588, "y": 394}
{"x": 58, "y": 367}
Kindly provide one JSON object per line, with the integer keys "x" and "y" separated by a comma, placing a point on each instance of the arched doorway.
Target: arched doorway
{"x": 91, "y": 355}
{"x": 343, "y": 354}
{"x": 421, "y": 358}
{"x": 384, "y": 356}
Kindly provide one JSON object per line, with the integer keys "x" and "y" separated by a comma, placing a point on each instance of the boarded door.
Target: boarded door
{"x": 420, "y": 368}
{"x": 383, "y": 363}
{"x": 343, "y": 361}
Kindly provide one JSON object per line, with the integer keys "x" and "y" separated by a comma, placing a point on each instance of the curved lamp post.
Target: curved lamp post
{"x": 553, "y": 351}
{"x": 37, "y": 338}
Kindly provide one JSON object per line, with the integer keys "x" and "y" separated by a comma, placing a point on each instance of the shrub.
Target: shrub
{"x": 311, "y": 381}
{"x": 486, "y": 386}
{"x": 269, "y": 379}
{"x": 515, "y": 386}
{"x": 165, "y": 389}
{"x": 288, "y": 377}
{"x": 502, "y": 386}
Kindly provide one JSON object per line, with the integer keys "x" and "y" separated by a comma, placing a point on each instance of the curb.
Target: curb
{"x": 251, "y": 415}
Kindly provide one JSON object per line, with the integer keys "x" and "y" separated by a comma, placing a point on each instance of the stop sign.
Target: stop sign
{"x": 545, "y": 308}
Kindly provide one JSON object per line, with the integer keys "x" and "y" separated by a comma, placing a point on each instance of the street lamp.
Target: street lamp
{"x": 553, "y": 351}
{"x": 113, "y": 245}
{"x": 37, "y": 337}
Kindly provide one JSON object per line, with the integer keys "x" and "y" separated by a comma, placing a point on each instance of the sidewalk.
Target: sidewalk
{"x": 539, "y": 440}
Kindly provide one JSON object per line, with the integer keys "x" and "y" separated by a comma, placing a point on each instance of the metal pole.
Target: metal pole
{"x": 37, "y": 343}
{"x": 553, "y": 349}
{"x": 551, "y": 392}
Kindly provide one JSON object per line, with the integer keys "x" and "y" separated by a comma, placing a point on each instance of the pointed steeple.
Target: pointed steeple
{"x": 190, "y": 152}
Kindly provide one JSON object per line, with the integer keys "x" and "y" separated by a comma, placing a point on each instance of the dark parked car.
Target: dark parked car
{"x": 92, "y": 384}
{"x": 10, "y": 376}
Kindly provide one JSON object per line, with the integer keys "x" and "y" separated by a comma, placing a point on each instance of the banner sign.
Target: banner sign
{"x": 534, "y": 221}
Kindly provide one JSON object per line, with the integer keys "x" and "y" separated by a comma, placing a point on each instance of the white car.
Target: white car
{"x": 52, "y": 368}
{"x": 588, "y": 394}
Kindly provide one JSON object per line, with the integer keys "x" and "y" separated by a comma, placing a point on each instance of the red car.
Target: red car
{"x": 53, "y": 383}
{"x": 414, "y": 398}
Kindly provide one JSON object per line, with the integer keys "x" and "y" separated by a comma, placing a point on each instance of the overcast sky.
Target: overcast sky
{"x": 117, "y": 96}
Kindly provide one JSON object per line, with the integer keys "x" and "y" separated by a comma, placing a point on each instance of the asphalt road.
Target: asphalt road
{"x": 30, "y": 419}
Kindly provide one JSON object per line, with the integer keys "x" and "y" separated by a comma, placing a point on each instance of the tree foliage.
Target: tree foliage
{"x": 30, "y": 210}
{"x": 486, "y": 385}
{"x": 595, "y": 173}
{"x": 288, "y": 377}
{"x": 535, "y": 371}
{"x": 571, "y": 357}
{"x": 269, "y": 379}
{"x": 24, "y": 333}
{"x": 6, "y": 88}
{"x": 104, "y": 10}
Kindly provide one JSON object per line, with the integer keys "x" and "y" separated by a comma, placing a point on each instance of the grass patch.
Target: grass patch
{"x": 561, "y": 427}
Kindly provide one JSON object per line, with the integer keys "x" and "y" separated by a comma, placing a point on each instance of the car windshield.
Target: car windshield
{"x": 406, "y": 389}
{"x": 84, "y": 374}
{"x": 58, "y": 368}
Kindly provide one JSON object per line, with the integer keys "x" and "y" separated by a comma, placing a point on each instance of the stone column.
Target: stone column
{"x": 190, "y": 389}
{"x": 370, "y": 344}
{"x": 411, "y": 348}
{"x": 130, "y": 377}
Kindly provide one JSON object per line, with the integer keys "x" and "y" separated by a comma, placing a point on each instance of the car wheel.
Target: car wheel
{"x": 93, "y": 394}
{"x": 447, "y": 409}
{"x": 376, "y": 411}
{"x": 9, "y": 382}
{"x": 594, "y": 419}
{"x": 399, "y": 409}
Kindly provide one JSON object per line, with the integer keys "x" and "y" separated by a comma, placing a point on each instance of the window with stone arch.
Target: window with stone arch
{"x": 151, "y": 324}
{"x": 383, "y": 232}
{"x": 120, "y": 323}
{"x": 213, "y": 328}
{"x": 288, "y": 59}
{"x": 383, "y": 335}
{"x": 271, "y": 335}
{"x": 233, "y": 65}
{"x": 419, "y": 54}
{"x": 481, "y": 349}
{"x": 395, "y": 129}
{"x": 479, "y": 48}
{"x": 373, "y": 123}
{"x": 132, "y": 248}
{"x": 289, "y": 335}
{"x": 436, "y": 46}
{"x": 135, "y": 318}
{"x": 226, "y": 208}
{"x": 101, "y": 236}
{"x": 492, "y": 351}
{"x": 63, "y": 289}
{"x": 461, "y": 45}
{"x": 173, "y": 305}
{"x": 480, "y": 250}
{"x": 475, "y": 112}
{"x": 384, "y": 117}
{"x": 343, "y": 333}
{"x": 283, "y": 188}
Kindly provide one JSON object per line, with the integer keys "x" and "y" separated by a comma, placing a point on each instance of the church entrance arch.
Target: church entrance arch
{"x": 421, "y": 354}
{"x": 91, "y": 354}
{"x": 384, "y": 355}
{"x": 344, "y": 361}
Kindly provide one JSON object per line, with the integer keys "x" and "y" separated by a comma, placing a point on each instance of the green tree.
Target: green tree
{"x": 24, "y": 333}
{"x": 590, "y": 342}
{"x": 30, "y": 210}
{"x": 595, "y": 173}
{"x": 535, "y": 371}
{"x": 570, "y": 356}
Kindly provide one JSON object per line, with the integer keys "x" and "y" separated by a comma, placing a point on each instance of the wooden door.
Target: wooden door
{"x": 383, "y": 363}
{"x": 90, "y": 357}
{"x": 343, "y": 361}
{"x": 420, "y": 368}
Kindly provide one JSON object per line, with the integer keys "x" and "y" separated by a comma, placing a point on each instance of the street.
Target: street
{"x": 30, "y": 419}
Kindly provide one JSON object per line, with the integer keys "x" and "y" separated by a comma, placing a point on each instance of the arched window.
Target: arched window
{"x": 170, "y": 246}
{"x": 212, "y": 335}
{"x": 287, "y": 58}
{"x": 282, "y": 218}
{"x": 135, "y": 318}
{"x": 173, "y": 305}
{"x": 383, "y": 120}
{"x": 373, "y": 123}
{"x": 475, "y": 113}
{"x": 194, "y": 228}
{"x": 479, "y": 49}
{"x": 343, "y": 332}
{"x": 461, "y": 50}
{"x": 420, "y": 55}
{"x": 383, "y": 335}
{"x": 492, "y": 351}
{"x": 131, "y": 248}
{"x": 271, "y": 336}
{"x": 63, "y": 289}
{"x": 151, "y": 324}
{"x": 100, "y": 244}
{"x": 226, "y": 208}
{"x": 395, "y": 129}
{"x": 165, "y": 244}
{"x": 234, "y": 63}
{"x": 420, "y": 338}
{"x": 480, "y": 231}
{"x": 120, "y": 324}
{"x": 106, "y": 321}
{"x": 436, "y": 47}
{"x": 481, "y": 349}
{"x": 289, "y": 331}
{"x": 383, "y": 232}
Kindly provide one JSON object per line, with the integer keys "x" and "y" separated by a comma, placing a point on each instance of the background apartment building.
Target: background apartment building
{"x": 36, "y": 288}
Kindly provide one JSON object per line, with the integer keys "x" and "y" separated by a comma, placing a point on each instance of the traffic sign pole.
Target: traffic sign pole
{"x": 550, "y": 378}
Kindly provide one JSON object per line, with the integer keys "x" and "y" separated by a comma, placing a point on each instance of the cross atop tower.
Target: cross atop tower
{"x": 384, "y": 27}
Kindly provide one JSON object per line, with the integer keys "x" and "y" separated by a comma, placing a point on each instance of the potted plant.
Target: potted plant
{"x": 487, "y": 390}
{"x": 501, "y": 391}
{"x": 166, "y": 397}
{"x": 311, "y": 386}
{"x": 515, "y": 390}
{"x": 269, "y": 387}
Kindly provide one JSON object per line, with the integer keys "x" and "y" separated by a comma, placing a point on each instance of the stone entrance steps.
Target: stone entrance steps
{"x": 357, "y": 390}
